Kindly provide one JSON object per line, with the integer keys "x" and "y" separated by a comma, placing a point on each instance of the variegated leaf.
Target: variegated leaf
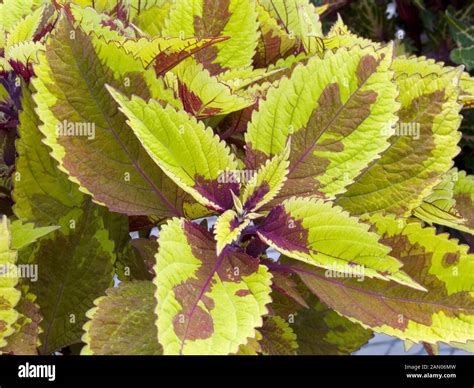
{"x": 424, "y": 66}
{"x": 340, "y": 36}
{"x": 445, "y": 312}
{"x": 318, "y": 329}
{"x": 267, "y": 182}
{"x": 84, "y": 128}
{"x": 107, "y": 40}
{"x": 75, "y": 267}
{"x": 9, "y": 295}
{"x": 422, "y": 146}
{"x": 278, "y": 337}
{"x": 451, "y": 203}
{"x": 25, "y": 340}
{"x": 164, "y": 53}
{"x": 213, "y": 18}
{"x": 227, "y": 229}
{"x": 323, "y": 235}
{"x": 274, "y": 42}
{"x": 206, "y": 304}
{"x": 298, "y": 18}
{"x": 165, "y": 133}
{"x": 335, "y": 109}
{"x": 202, "y": 94}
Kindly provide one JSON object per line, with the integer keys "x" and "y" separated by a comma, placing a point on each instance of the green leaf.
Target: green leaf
{"x": 9, "y": 295}
{"x": 137, "y": 260}
{"x": 165, "y": 133}
{"x": 422, "y": 146}
{"x": 207, "y": 304}
{"x": 26, "y": 234}
{"x": 278, "y": 338}
{"x": 463, "y": 34}
{"x": 323, "y": 235}
{"x": 213, "y": 18}
{"x": 123, "y": 322}
{"x": 318, "y": 329}
{"x": 322, "y": 331}
{"x": 450, "y": 203}
{"x": 444, "y": 313}
{"x": 128, "y": 180}
{"x": 76, "y": 267}
{"x": 334, "y": 108}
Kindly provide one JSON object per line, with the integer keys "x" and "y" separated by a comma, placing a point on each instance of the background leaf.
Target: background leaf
{"x": 213, "y": 18}
{"x": 70, "y": 279}
{"x": 123, "y": 322}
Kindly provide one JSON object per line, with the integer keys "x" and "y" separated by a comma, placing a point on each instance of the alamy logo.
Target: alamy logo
{"x": 68, "y": 128}
{"x": 236, "y": 176}
{"x": 408, "y": 129}
{"x": 26, "y": 271}
{"x": 37, "y": 371}
{"x": 355, "y": 271}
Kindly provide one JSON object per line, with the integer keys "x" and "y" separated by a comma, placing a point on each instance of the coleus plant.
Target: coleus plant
{"x": 292, "y": 176}
{"x": 437, "y": 29}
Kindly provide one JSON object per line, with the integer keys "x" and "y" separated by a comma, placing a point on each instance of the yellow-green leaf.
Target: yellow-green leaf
{"x": 422, "y": 146}
{"x": 206, "y": 304}
{"x": 323, "y": 235}
{"x": 188, "y": 152}
{"x": 9, "y": 295}
{"x": 335, "y": 109}
{"x": 443, "y": 313}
